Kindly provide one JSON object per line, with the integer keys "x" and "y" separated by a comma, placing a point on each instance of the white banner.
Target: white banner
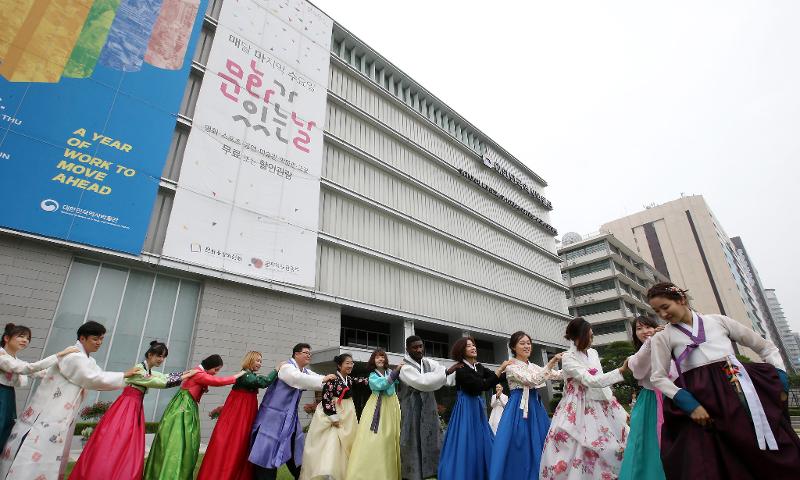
{"x": 248, "y": 193}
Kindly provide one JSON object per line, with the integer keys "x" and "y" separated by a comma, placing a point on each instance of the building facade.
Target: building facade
{"x": 754, "y": 280}
{"x": 425, "y": 226}
{"x": 685, "y": 241}
{"x": 789, "y": 339}
{"x": 608, "y": 284}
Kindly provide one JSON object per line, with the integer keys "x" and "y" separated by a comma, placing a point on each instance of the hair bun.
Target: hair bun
{"x": 9, "y": 327}
{"x": 154, "y": 343}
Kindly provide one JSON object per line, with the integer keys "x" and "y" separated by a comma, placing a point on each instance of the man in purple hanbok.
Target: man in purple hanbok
{"x": 277, "y": 437}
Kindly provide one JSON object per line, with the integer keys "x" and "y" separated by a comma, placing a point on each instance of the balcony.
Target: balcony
{"x": 604, "y": 317}
{"x": 594, "y": 297}
{"x": 609, "y": 338}
{"x": 584, "y": 259}
{"x": 591, "y": 277}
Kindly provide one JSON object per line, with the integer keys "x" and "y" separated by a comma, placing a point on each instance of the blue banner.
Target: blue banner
{"x": 89, "y": 93}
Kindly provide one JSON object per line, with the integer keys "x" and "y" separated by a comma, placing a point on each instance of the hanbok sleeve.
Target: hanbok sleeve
{"x": 747, "y": 337}
{"x": 329, "y": 397}
{"x": 84, "y": 372}
{"x": 578, "y": 371}
{"x": 253, "y": 381}
{"x": 297, "y": 379}
{"x": 203, "y": 378}
{"x": 639, "y": 362}
{"x": 142, "y": 379}
{"x": 660, "y": 359}
{"x": 424, "y": 382}
{"x": 14, "y": 365}
{"x": 531, "y": 378}
{"x": 474, "y": 382}
{"x": 379, "y": 383}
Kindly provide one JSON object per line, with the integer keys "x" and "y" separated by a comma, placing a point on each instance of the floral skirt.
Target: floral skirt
{"x": 586, "y": 438}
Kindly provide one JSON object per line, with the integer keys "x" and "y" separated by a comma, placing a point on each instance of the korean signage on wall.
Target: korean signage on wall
{"x": 89, "y": 92}
{"x": 248, "y": 197}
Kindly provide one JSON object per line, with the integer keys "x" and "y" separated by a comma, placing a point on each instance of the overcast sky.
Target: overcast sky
{"x": 620, "y": 104}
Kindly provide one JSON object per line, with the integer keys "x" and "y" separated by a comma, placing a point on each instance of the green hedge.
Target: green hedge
{"x": 149, "y": 427}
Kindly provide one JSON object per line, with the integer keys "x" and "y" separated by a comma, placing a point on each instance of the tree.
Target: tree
{"x": 613, "y": 356}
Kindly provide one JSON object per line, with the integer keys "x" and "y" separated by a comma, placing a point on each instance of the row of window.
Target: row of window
{"x": 595, "y": 287}
{"x": 610, "y": 327}
{"x": 596, "y": 308}
{"x": 586, "y": 250}
{"x": 593, "y": 267}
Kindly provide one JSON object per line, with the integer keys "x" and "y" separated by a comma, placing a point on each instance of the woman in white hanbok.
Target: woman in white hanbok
{"x": 589, "y": 428}
{"x": 498, "y": 404}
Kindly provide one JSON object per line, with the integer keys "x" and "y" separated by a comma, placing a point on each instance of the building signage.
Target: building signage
{"x": 248, "y": 197}
{"x": 89, "y": 93}
{"x": 544, "y": 225}
{"x": 516, "y": 181}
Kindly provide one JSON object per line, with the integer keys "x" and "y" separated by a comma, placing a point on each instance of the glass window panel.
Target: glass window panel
{"x": 74, "y": 303}
{"x": 105, "y": 305}
{"x": 162, "y": 305}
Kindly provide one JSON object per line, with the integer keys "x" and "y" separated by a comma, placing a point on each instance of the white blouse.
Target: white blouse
{"x": 640, "y": 366}
{"x": 521, "y": 375}
{"x": 14, "y": 372}
{"x": 720, "y": 331}
{"x": 585, "y": 368}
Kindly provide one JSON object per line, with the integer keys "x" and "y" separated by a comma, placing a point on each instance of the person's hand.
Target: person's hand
{"x": 502, "y": 367}
{"x": 67, "y": 351}
{"x": 454, "y": 367}
{"x": 280, "y": 364}
{"x": 329, "y": 378}
{"x": 660, "y": 328}
{"x": 624, "y": 368}
{"x": 701, "y": 416}
{"x": 131, "y": 372}
{"x": 241, "y": 372}
{"x": 189, "y": 373}
{"x": 784, "y": 396}
{"x": 399, "y": 366}
{"x": 556, "y": 358}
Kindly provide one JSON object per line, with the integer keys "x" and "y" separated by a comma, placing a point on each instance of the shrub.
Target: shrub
{"x": 95, "y": 410}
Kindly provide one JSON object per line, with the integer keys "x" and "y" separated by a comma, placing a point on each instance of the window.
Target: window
{"x": 596, "y": 308}
{"x": 485, "y": 351}
{"x": 436, "y": 343}
{"x": 594, "y": 247}
{"x": 589, "y": 268}
{"x": 611, "y": 327}
{"x": 594, "y": 287}
{"x": 361, "y": 333}
{"x": 136, "y": 307}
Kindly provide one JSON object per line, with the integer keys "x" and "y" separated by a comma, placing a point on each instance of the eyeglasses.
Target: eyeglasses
{"x": 306, "y": 352}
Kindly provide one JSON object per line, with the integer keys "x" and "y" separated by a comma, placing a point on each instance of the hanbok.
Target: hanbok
{"x": 522, "y": 430}
{"x": 376, "y": 449}
{"x": 328, "y": 447}
{"x": 177, "y": 442}
{"x": 14, "y": 373}
{"x": 589, "y": 430}
{"x": 226, "y": 455}
{"x": 116, "y": 447}
{"x": 467, "y": 447}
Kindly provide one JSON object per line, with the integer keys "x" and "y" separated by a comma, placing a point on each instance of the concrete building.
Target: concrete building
{"x": 607, "y": 283}
{"x": 426, "y": 226}
{"x": 754, "y": 280}
{"x": 685, "y": 241}
{"x": 790, "y": 339}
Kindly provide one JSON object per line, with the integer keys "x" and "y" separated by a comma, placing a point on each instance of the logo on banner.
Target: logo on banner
{"x": 49, "y": 205}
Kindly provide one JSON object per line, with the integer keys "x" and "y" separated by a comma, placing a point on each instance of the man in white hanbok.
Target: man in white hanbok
{"x": 38, "y": 448}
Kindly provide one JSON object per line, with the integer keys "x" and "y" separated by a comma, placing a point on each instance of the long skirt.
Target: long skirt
{"x": 327, "y": 448}
{"x": 728, "y": 448}
{"x": 642, "y": 454}
{"x": 518, "y": 444}
{"x": 467, "y": 448}
{"x": 226, "y": 455}
{"x": 377, "y": 455}
{"x": 177, "y": 442}
{"x": 587, "y": 437}
{"x": 116, "y": 447}
{"x": 8, "y": 412}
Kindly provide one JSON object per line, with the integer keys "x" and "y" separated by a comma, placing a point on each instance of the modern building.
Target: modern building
{"x": 345, "y": 206}
{"x": 754, "y": 280}
{"x": 685, "y": 241}
{"x": 607, "y": 283}
{"x": 789, "y": 339}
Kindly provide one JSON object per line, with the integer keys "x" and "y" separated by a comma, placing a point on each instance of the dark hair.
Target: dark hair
{"x": 91, "y": 329}
{"x": 341, "y": 358}
{"x": 646, "y": 321}
{"x": 156, "y": 348}
{"x": 459, "y": 350}
{"x": 667, "y": 290}
{"x": 412, "y": 339}
{"x": 299, "y": 348}
{"x": 377, "y": 353}
{"x": 514, "y": 340}
{"x": 211, "y": 361}
{"x": 578, "y": 331}
{"x": 12, "y": 331}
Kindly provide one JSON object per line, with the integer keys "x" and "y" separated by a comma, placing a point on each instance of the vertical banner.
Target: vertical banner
{"x": 89, "y": 92}
{"x": 248, "y": 197}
